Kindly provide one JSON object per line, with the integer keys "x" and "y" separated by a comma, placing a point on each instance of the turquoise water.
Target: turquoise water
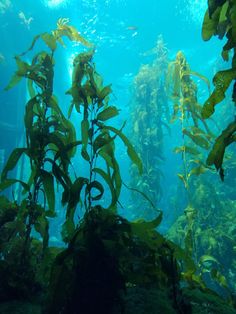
{"x": 198, "y": 204}
{"x": 124, "y": 33}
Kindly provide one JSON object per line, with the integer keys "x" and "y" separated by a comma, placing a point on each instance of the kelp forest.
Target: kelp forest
{"x": 65, "y": 246}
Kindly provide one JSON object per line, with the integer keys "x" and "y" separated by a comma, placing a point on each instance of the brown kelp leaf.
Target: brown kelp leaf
{"x": 223, "y": 20}
{"x": 94, "y": 185}
{"x": 215, "y": 5}
{"x": 221, "y": 81}
{"x": 107, "y": 178}
{"x": 63, "y": 29}
{"x": 133, "y": 155}
{"x": 182, "y": 178}
{"x": 197, "y": 170}
{"x": 108, "y": 113}
{"x": 197, "y": 139}
{"x": 22, "y": 70}
{"x": 175, "y": 113}
{"x": 216, "y": 155}
{"x": 197, "y": 131}
{"x": 209, "y": 27}
{"x": 186, "y": 149}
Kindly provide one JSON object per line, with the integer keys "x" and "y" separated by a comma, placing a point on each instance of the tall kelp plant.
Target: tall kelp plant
{"x": 51, "y": 142}
{"x": 108, "y": 262}
{"x": 149, "y": 113}
{"x": 220, "y": 20}
{"x": 202, "y": 197}
{"x": 182, "y": 91}
{"x": 93, "y": 268}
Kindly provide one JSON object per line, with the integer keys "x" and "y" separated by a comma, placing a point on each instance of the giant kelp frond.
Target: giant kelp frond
{"x": 62, "y": 30}
{"x": 221, "y": 81}
{"x": 182, "y": 91}
{"x": 216, "y": 155}
{"x": 220, "y": 20}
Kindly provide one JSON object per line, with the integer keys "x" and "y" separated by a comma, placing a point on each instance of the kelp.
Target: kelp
{"x": 97, "y": 139}
{"x": 114, "y": 256}
{"x": 216, "y": 155}
{"x": 182, "y": 91}
{"x": 148, "y": 115}
{"x": 63, "y": 29}
{"x": 211, "y": 231}
{"x": 51, "y": 144}
{"x": 220, "y": 20}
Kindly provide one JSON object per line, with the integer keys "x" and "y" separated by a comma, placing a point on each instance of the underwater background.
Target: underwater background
{"x": 161, "y": 73}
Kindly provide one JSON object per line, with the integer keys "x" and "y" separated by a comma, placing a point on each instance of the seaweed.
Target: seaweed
{"x": 219, "y": 21}
{"x": 51, "y": 143}
{"x": 149, "y": 111}
{"x": 182, "y": 90}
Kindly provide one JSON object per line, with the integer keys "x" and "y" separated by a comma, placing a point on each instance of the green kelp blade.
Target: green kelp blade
{"x": 210, "y": 23}
{"x": 97, "y": 186}
{"x": 183, "y": 179}
{"x": 68, "y": 229}
{"x": 197, "y": 170}
{"x": 145, "y": 230}
{"x": 143, "y": 195}
{"x": 106, "y": 177}
{"x": 221, "y": 81}
{"x": 146, "y": 225}
{"x": 223, "y": 20}
{"x": 41, "y": 225}
{"x": 12, "y": 161}
{"x": 75, "y": 191}
{"x": 207, "y": 259}
{"x": 216, "y": 155}
{"x": 197, "y": 139}
{"x": 48, "y": 185}
{"x": 130, "y": 149}
{"x": 49, "y": 40}
{"x": 22, "y": 70}
{"x": 108, "y": 113}
{"x": 106, "y": 90}
{"x": 8, "y": 182}
{"x": 70, "y": 32}
{"x": 186, "y": 149}
{"x": 13, "y": 82}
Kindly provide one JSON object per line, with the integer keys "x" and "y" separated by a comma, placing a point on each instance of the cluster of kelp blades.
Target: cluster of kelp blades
{"x": 149, "y": 122}
{"x": 132, "y": 251}
{"x": 220, "y": 20}
{"x": 132, "y": 254}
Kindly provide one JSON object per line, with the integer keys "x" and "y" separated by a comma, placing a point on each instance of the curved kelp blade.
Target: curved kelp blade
{"x": 12, "y": 161}
{"x": 216, "y": 155}
{"x": 221, "y": 81}
{"x": 130, "y": 149}
{"x": 145, "y": 230}
{"x": 106, "y": 177}
{"x": 48, "y": 185}
{"x": 9, "y": 182}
